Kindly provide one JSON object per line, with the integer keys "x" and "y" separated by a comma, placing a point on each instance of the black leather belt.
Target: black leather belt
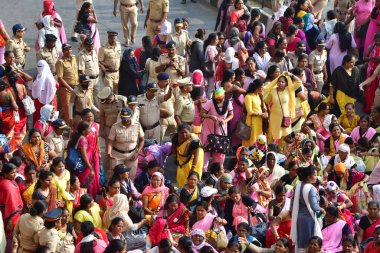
{"x": 93, "y": 77}
{"x": 124, "y": 152}
{"x": 151, "y": 127}
{"x": 317, "y": 72}
{"x": 111, "y": 71}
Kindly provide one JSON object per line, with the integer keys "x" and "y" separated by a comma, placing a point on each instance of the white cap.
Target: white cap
{"x": 344, "y": 148}
{"x": 332, "y": 186}
{"x": 166, "y": 28}
{"x": 208, "y": 191}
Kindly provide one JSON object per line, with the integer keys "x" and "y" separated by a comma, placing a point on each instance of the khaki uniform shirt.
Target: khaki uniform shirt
{"x": 81, "y": 99}
{"x": 49, "y": 238}
{"x": 28, "y": 227}
{"x": 168, "y": 104}
{"x": 149, "y": 110}
{"x": 56, "y": 142}
{"x": 181, "y": 40}
{"x": 110, "y": 56}
{"x": 88, "y": 63}
{"x": 136, "y": 115}
{"x": 157, "y": 8}
{"x": 125, "y": 138}
{"x": 184, "y": 108}
{"x": 17, "y": 47}
{"x": 50, "y": 56}
{"x": 110, "y": 112}
{"x": 164, "y": 59}
{"x": 67, "y": 69}
{"x": 318, "y": 59}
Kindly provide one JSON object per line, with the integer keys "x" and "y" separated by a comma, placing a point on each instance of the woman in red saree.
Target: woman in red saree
{"x": 10, "y": 200}
{"x": 7, "y": 119}
{"x": 369, "y": 222}
{"x": 373, "y": 61}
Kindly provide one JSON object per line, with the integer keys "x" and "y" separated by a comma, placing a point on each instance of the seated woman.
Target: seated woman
{"x": 363, "y": 130}
{"x": 157, "y": 233}
{"x": 215, "y": 171}
{"x": 201, "y": 219}
{"x": 143, "y": 179}
{"x": 289, "y": 180}
{"x": 115, "y": 229}
{"x": 276, "y": 209}
{"x": 88, "y": 210}
{"x": 282, "y": 246}
{"x": 346, "y": 178}
{"x": 44, "y": 190}
{"x": 242, "y": 176}
{"x": 106, "y": 200}
{"x": 336, "y": 139}
{"x": 374, "y": 246}
{"x": 37, "y": 151}
{"x": 349, "y": 120}
{"x": 238, "y": 208}
{"x": 154, "y": 195}
{"x": 76, "y": 192}
{"x": 334, "y": 230}
{"x": 127, "y": 187}
{"x": 61, "y": 179}
{"x": 369, "y": 222}
{"x": 133, "y": 232}
{"x": 342, "y": 156}
{"x": 198, "y": 238}
{"x": 243, "y": 230}
{"x": 191, "y": 192}
{"x": 260, "y": 191}
{"x": 275, "y": 171}
{"x": 224, "y": 183}
{"x": 90, "y": 241}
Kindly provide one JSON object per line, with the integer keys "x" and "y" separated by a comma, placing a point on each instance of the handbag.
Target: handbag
{"x": 208, "y": 69}
{"x": 362, "y": 32}
{"x": 243, "y": 131}
{"x": 28, "y": 105}
{"x": 286, "y": 120}
{"x": 218, "y": 143}
{"x": 258, "y": 231}
{"x": 217, "y": 238}
{"x": 74, "y": 160}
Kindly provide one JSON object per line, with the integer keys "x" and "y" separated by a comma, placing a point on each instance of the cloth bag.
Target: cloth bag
{"x": 218, "y": 143}
{"x": 28, "y": 105}
{"x": 74, "y": 160}
{"x": 217, "y": 238}
{"x": 286, "y": 120}
{"x": 243, "y": 131}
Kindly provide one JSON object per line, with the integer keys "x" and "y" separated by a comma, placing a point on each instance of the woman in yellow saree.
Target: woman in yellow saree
{"x": 28, "y": 185}
{"x": 188, "y": 154}
{"x": 61, "y": 179}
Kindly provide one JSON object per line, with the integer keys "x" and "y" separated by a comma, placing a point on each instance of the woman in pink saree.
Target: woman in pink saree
{"x": 49, "y": 9}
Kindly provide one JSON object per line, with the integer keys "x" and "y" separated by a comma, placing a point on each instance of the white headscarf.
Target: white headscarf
{"x": 46, "y": 20}
{"x": 166, "y": 28}
{"x": 277, "y": 171}
{"x": 44, "y": 87}
{"x": 45, "y": 113}
{"x": 120, "y": 208}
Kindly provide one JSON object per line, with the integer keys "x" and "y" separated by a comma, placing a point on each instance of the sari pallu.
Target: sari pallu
{"x": 332, "y": 237}
{"x": 369, "y": 232}
{"x": 370, "y": 89}
{"x": 7, "y": 123}
{"x": 32, "y": 156}
{"x": 177, "y": 221}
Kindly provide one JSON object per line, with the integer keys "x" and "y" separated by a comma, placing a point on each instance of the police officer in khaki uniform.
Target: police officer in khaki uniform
{"x": 132, "y": 104}
{"x": 184, "y": 105}
{"x": 55, "y": 138}
{"x": 149, "y": 104}
{"x": 128, "y": 11}
{"x": 17, "y": 44}
{"x": 49, "y": 235}
{"x": 88, "y": 64}
{"x": 109, "y": 61}
{"x": 171, "y": 63}
{"x": 49, "y": 52}
{"x": 81, "y": 98}
{"x": 125, "y": 142}
{"x": 110, "y": 108}
{"x": 293, "y": 56}
{"x": 68, "y": 78}
{"x": 166, "y": 108}
{"x": 180, "y": 37}
{"x": 317, "y": 64}
{"x": 157, "y": 13}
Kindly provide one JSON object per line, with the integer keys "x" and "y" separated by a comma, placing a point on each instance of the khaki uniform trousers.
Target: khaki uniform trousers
{"x": 153, "y": 134}
{"x": 94, "y": 90}
{"x": 128, "y": 14}
{"x": 319, "y": 81}
{"x": 151, "y": 28}
{"x": 123, "y": 158}
{"x": 112, "y": 80}
{"x": 167, "y": 123}
{"x": 64, "y": 100}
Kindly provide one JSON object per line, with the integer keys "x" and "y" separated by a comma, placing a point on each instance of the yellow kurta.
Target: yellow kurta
{"x": 346, "y": 124}
{"x": 61, "y": 185}
{"x": 252, "y": 104}
{"x": 184, "y": 168}
{"x": 276, "y": 113}
{"x": 94, "y": 216}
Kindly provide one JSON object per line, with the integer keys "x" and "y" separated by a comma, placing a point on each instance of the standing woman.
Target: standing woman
{"x": 4, "y": 37}
{"x": 28, "y": 185}
{"x": 373, "y": 27}
{"x": 344, "y": 84}
{"x": 305, "y": 209}
{"x": 256, "y": 111}
{"x": 188, "y": 153}
{"x": 212, "y": 57}
{"x": 44, "y": 89}
{"x": 49, "y": 9}
{"x": 281, "y": 94}
{"x": 224, "y": 16}
{"x": 261, "y": 55}
{"x": 129, "y": 73}
{"x": 340, "y": 44}
{"x": 48, "y": 28}
{"x": 87, "y": 17}
{"x": 217, "y": 112}
{"x": 197, "y": 57}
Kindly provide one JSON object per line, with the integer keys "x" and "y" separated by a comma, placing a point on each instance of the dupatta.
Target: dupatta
{"x": 29, "y": 152}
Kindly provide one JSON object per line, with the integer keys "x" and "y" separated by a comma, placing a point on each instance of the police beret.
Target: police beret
{"x": 163, "y": 76}
{"x": 53, "y": 215}
{"x": 59, "y": 123}
{"x": 65, "y": 46}
{"x": 171, "y": 44}
{"x": 120, "y": 169}
{"x": 132, "y": 99}
{"x": 88, "y": 41}
{"x": 151, "y": 86}
{"x": 50, "y": 37}
{"x": 84, "y": 78}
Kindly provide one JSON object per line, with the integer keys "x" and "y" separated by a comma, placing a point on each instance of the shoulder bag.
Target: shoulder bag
{"x": 74, "y": 160}
{"x": 286, "y": 120}
{"x": 218, "y": 143}
{"x": 216, "y": 237}
{"x": 243, "y": 131}
{"x": 28, "y": 105}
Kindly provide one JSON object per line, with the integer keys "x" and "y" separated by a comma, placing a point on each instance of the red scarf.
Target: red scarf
{"x": 48, "y": 8}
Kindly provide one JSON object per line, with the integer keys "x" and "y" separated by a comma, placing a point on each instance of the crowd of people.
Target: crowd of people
{"x": 274, "y": 130}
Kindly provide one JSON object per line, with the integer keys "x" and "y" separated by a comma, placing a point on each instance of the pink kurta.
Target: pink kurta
{"x": 336, "y": 55}
{"x": 363, "y": 9}
{"x": 373, "y": 28}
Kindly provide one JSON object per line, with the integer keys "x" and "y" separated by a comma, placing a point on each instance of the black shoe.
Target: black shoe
{"x": 183, "y": 2}
{"x": 74, "y": 39}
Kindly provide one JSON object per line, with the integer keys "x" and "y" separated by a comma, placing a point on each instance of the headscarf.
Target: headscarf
{"x": 127, "y": 59}
{"x": 349, "y": 161}
{"x": 46, "y": 21}
{"x": 45, "y": 113}
{"x": 44, "y": 87}
{"x": 291, "y": 87}
{"x": 219, "y": 93}
{"x": 263, "y": 185}
{"x": 304, "y": 141}
{"x": 160, "y": 189}
{"x": 48, "y": 8}
{"x": 277, "y": 171}
{"x": 198, "y": 79}
{"x": 158, "y": 231}
{"x": 4, "y": 144}
{"x": 341, "y": 168}
{"x": 166, "y": 28}
{"x": 120, "y": 204}
{"x": 201, "y": 233}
